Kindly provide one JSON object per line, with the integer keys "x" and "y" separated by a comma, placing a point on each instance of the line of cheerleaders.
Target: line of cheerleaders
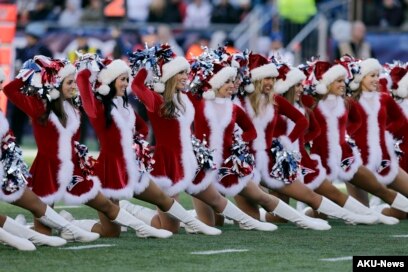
{"x": 236, "y": 125}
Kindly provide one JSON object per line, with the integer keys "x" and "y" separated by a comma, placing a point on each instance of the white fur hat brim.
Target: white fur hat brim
{"x": 2, "y": 75}
{"x": 402, "y": 90}
{"x": 112, "y": 71}
{"x": 333, "y": 73}
{"x": 292, "y": 78}
{"x": 66, "y": 71}
{"x": 264, "y": 71}
{"x": 222, "y": 77}
{"x": 174, "y": 67}
{"x": 366, "y": 66}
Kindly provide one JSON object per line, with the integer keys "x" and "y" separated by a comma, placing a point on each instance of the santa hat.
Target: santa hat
{"x": 323, "y": 73}
{"x": 288, "y": 77}
{"x": 109, "y": 74}
{"x": 2, "y": 75}
{"x": 221, "y": 73}
{"x": 366, "y": 66}
{"x": 399, "y": 81}
{"x": 260, "y": 67}
{"x": 169, "y": 69}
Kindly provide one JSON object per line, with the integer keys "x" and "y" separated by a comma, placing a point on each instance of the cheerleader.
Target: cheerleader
{"x": 215, "y": 119}
{"x": 264, "y": 107}
{"x": 313, "y": 174}
{"x": 381, "y": 120}
{"x": 55, "y": 172}
{"x": 176, "y": 165}
{"x": 116, "y": 125}
{"x": 13, "y": 190}
{"x": 336, "y": 117}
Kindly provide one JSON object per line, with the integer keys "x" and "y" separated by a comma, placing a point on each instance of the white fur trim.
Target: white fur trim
{"x": 189, "y": 161}
{"x": 264, "y": 71}
{"x": 332, "y": 109}
{"x": 220, "y": 78}
{"x": 142, "y": 184}
{"x": 394, "y": 167}
{"x": 209, "y": 95}
{"x": 318, "y": 180}
{"x": 262, "y": 161}
{"x": 66, "y": 168}
{"x": 54, "y": 94}
{"x": 218, "y": 119}
{"x": 236, "y": 188}
{"x": 173, "y": 67}
{"x": 355, "y": 165}
{"x": 293, "y": 77}
{"x": 402, "y": 90}
{"x": 250, "y": 88}
{"x": 333, "y": 73}
{"x": 366, "y": 66}
{"x": 85, "y": 197}
{"x": 2, "y": 75}
{"x": 124, "y": 119}
{"x": 158, "y": 87}
{"x": 66, "y": 71}
{"x": 10, "y": 198}
{"x": 209, "y": 178}
{"x": 112, "y": 71}
{"x": 371, "y": 108}
{"x": 404, "y": 106}
{"x": 321, "y": 88}
{"x": 103, "y": 89}
{"x": 287, "y": 143}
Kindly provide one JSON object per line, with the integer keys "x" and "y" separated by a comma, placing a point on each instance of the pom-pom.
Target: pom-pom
{"x": 250, "y": 88}
{"x": 203, "y": 154}
{"x": 158, "y": 87}
{"x": 321, "y": 89}
{"x": 209, "y": 94}
{"x": 286, "y": 165}
{"x": 144, "y": 153}
{"x": 86, "y": 163}
{"x": 15, "y": 169}
{"x": 36, "y": 80}
{"x": 103, "y": 89}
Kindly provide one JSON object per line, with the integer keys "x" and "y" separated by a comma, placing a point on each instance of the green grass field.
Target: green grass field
{"x": 287, "y": 249}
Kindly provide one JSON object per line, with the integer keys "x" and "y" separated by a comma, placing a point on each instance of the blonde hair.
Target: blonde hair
{"x": 170, "y": 109}
{"x": 257, "y": 103}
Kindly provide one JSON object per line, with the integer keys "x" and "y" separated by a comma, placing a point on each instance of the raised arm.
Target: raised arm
{"x": 286, "y": 109}
{"x": 31, "y": 105}
{"x": 88, "y": 98}
{"x": 150, "y": 99}
{"x": 245, "y": 123}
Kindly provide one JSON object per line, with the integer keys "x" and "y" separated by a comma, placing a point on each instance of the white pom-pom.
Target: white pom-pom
{"x": 321, "y": 89}
{"x": 36, "y": 80}
{"x": 158, "y": 87}
{"x": 54, "y": 94}
{"x": 354, "y": 85}
{"x": 235, "y": 64}
{"x": 103, "y": 89}
{"x": 286, "y": 142}
{"x": 249, "y": 88}
{"x": 209, "y": 94}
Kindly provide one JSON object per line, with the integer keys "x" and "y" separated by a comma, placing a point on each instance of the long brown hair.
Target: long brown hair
{"x": 169, "y": 109}
{"x": 290, "y": 96}
{"x": 257, "y": 103}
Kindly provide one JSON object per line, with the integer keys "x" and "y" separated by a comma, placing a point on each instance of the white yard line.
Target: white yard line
{"x": 211, "y": 252}
{"x": 346, "y": 258}
{"x": 67, "y": 206}
{"x": 400, "y": 236}
{"x": 87, "y": 247}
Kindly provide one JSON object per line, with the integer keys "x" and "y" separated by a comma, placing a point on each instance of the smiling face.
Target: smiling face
{"x": 121, "y": 84}
{"x": 370, "y": 82}
{"x": 338, "y": 86}
{"x": 227, "y": 89}
{"x": 69, "y": 87}
{"x": 181, "y": 80}
{"x": 267, "y": 84}
{"x": 298, "y": 90}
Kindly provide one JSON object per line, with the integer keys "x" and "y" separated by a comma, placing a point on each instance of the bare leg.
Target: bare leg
{"x": 299, "y": 191}
{"x": 274, "y": 218}
{"x": 366, "y": 180}
{"x": 213, "y": 198}
{"x": 357, "y": 193}
{"x": 330, "y": 191}
{"x": 247, "y": 206}
{"x": 400, "y": 183}
{"x": 204, "y": 212}
{"x": 2, "y": 220}
{"x": 110, "y": 210}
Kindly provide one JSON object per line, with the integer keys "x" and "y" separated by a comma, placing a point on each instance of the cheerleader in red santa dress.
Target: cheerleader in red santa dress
{"x": 313, "y": 174}
{"x": 382, "y": 119}
{"x": 55, "y": 172}
{"x": 336, "y": 117}
{"x": 13, "y": 190}
{"x": 264, "y": 107}
{"x": 116, "y": 125}
{"x": 215, "y": 119}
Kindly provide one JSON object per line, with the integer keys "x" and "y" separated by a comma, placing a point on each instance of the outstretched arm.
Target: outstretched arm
{"x": 85, "y": 89}
{"x": 149, "y": 98}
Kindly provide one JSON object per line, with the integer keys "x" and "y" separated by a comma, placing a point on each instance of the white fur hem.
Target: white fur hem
{"x": 210, "y": 177}
{"x": 143, "y": 183}
{"x": 167, "y": 186}
{"x": 317, "y": 181}
{"x": 394, "y": 167}
{"x": 348, "y": 175}
{"x": 234, "y": 189}
{"x": 262, "y": 161}
{"x": 12, "y": 197}
{"x": 84, "y": 198}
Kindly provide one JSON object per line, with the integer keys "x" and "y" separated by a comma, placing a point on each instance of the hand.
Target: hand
{"x": 25, "y": 74}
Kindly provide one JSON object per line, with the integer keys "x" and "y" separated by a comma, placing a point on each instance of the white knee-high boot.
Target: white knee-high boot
{"x": 140, "y": 212}
{"x": 330, "y": 208}
{"x": 356, "y": 206}
{"x": 400, "y": 203}
{"x": 36, "y": 238}
{"x": 142, "y": 229}
{"x": 287, "y": 212}
{"x": 245, "y": 221}
{"x": 68, "y": 231}
{"x": 15, "y": 241}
